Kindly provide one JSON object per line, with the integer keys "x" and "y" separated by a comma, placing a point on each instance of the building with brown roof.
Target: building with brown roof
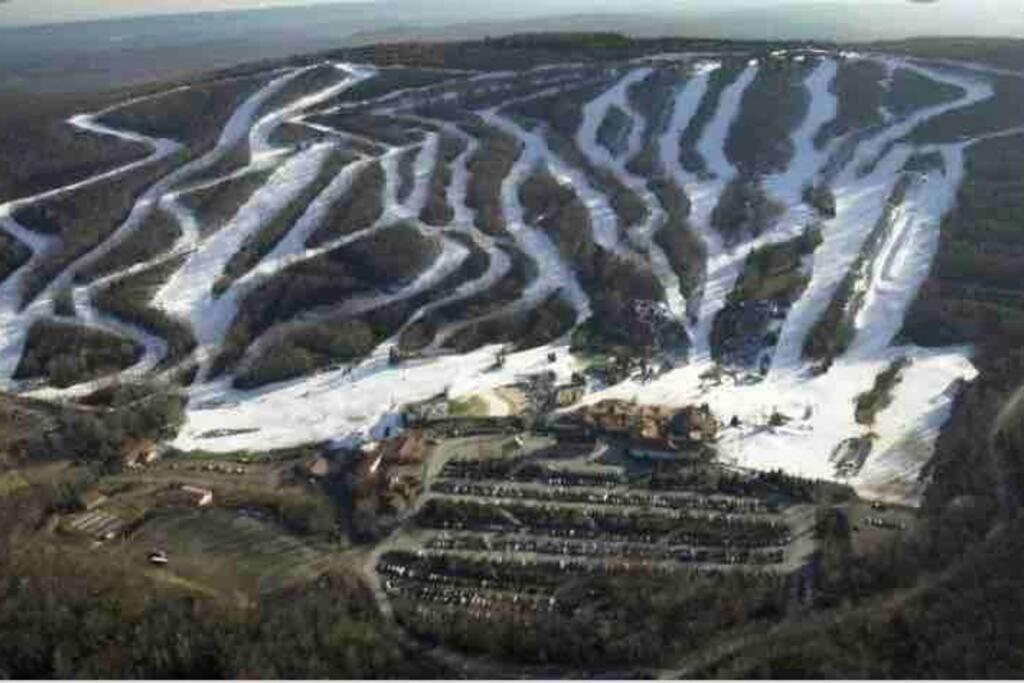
{"x": 139, "y": 452}
{"x": 652, "y": 429}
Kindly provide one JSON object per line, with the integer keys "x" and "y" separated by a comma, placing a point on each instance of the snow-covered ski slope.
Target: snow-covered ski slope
{"x": 351, "y": 398}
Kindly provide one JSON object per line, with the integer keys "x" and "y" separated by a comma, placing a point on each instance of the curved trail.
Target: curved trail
{"x": 158, "y": 197}
{"x": 642, "y": 236}
{"x": 498, "y": 263}
{"x": 722, "y": 266}
{"x": 821, "y": 408}
{"x": 362, "y": 399}
{"x": 860, "y": 202}
{"x": 554, "y": 274}
{"x": 14, "y": 322}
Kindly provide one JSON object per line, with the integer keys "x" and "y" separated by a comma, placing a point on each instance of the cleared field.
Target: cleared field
{"x": 228, "y": 551}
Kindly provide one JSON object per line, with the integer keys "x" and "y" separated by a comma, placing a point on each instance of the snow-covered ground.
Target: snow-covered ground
{"x": 343, "y": 403}
{"x": 642, "y": 236}
{"x": 359, "y": 401}
{"x": 555, "y": 275}
{"x": 723, "y": 266}
{"x": 822, "y": 408}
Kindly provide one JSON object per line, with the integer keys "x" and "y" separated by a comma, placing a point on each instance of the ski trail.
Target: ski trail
{"x": 603, "y": 219}
{"x": 859, "y": 207}
{"x": 360, "y": 400}
{"x": 553, "y": 273}
{"x": 446, "y": 263}
{"x": 859, "y": 204}
{"x": 642, "y": 236}
{"x": 722, "y": 267}
{"x": 903, "y": 262}
{"x": 15, "y": 322}
{"x": 259, "y": 134}
{"x": 498, "y": 263}
{"x": 975, "y": 91}
{"x": 594, "y": 113}
{"x": 234, "y": 131}
{"x": 289, "y": 251}
{"x": 188, "y": 293}
{"x": 424, "y": 170}
{"x": 808, "y": 161}
{"x": 160, "y": 148}
{"x": 292, "y": 250}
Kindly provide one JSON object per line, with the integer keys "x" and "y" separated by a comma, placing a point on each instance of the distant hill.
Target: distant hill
{"x": 100, "y": 54}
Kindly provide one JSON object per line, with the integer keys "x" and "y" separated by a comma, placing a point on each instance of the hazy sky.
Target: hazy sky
{"x": 14, "y": 12}
{"x": 55, "y": 11}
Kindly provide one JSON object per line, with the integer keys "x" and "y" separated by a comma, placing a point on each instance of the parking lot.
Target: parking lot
{"x": 507, "y": 520}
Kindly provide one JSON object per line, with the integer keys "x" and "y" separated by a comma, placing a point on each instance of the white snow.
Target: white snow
{"x": 462, "y": 222}
{"x": 188, "y": 293}
{"x": 902, "y": 264}
{"x": 359, "y": 402}
{"x": 807, "y": 160}
{"x": 642, "y": 236}
{"x": 553, "y": 273}
{"x": 342, "y": 403}
{"x": 722, "y": 266}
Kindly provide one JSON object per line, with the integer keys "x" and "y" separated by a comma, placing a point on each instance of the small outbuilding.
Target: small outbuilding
{"x": 192, "y": 496}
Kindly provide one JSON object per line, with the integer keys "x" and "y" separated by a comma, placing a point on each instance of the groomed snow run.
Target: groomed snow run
{"x": 352, "y": 403}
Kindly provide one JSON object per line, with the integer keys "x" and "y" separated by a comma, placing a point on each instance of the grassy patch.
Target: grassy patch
{"x": 227, "y": 551}
{"x": 471, "y": 406}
